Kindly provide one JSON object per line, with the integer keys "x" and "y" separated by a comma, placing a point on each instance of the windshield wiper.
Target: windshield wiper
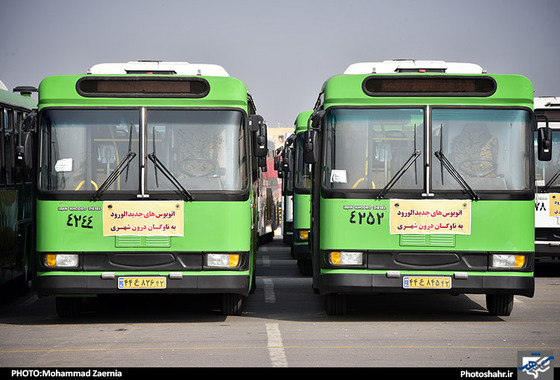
{"x": 399, "y": 174}
{"x": 403, "y": 169}
{"x": 451, "y": 169}
{"x": 455, "y": 174}
{"x": 167, "y": 173}
{"x": 550, "y": 182}
{"x": 118, "y": 170}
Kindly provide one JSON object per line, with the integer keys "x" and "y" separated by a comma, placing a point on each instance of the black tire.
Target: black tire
{"x": 499, "y": 304}
{"x": 232, "y": 304}
{"x": 68, "y": 307}
{"x": 335, "y": 304}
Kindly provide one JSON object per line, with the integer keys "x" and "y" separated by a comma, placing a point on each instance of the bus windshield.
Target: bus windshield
{"x": 201, "y": 149}
{"x": 471, "y": 150}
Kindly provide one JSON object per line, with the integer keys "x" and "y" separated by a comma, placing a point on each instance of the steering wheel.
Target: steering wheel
{"x": 477, "y": 167}
{"x": 197, "y": 167}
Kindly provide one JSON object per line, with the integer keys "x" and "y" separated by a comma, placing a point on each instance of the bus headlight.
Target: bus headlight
{"x": 61, "y": 260}
{"x": 222, "y": 260}
{"x": 508, "y": 261}
{"x": 303, "y": 234}
{"x": 346, "y": 258}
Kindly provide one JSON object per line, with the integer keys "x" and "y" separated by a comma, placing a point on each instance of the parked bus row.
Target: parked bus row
{"x": 158, "y": 177}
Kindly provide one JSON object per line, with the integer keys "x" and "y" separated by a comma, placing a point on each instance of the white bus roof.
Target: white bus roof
{"x": 411, "y": 65}
{"x": 159, "y": 67}
{"x": 3, "y": 86}
{"x": 547, "y": 102}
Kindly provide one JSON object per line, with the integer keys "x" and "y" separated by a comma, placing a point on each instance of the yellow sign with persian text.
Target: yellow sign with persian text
{"x": 143, "y": 218}
{"x": 430, "y": 217}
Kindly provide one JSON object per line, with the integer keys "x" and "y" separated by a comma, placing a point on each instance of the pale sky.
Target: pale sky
{"x": 282, "y": 50}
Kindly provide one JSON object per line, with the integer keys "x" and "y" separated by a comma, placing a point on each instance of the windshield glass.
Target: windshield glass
{"x": 302, "y": 170}
{"x": 487, "y": 147}
{"x": 203, "y": 149}
{"x": 365, "y": 148}
{"x": 547, "y": 169}
{"x": 81, "y": 148}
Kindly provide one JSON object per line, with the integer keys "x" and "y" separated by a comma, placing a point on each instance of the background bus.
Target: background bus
{"x": 15, "y": 188}
{"x": 269, "y": 198}
{"x": 547, "y": 216}
{"x": 283, "y": 163}
{"x": 147, "y": 176}
{"x": 302, "y": 197}
{"x": 425, "y": 183}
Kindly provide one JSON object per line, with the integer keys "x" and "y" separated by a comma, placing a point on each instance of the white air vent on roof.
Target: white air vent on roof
{"x": 158, "y": 67}
{"x": 408, "y": 66}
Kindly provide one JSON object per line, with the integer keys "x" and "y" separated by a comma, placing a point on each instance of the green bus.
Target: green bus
{"x": 283, "y": 163}
{"x": 302, "y": 182}
{"x": 16, "y": 189}
{"x": 146, "y": 183}
{"x": 423, "y": 181}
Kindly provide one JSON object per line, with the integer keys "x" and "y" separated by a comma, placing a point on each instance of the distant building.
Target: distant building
{"x": 278, "y": 135}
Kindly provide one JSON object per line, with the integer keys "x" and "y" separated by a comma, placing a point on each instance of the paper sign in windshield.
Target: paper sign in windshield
{"x": 143, "y": 218}
{"x": 554, "y": 205}
{"x": 430, "y": 217}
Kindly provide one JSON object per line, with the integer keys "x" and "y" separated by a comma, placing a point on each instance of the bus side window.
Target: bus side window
{"x": 8, "y": 146}
{"x": 18, "y": 169}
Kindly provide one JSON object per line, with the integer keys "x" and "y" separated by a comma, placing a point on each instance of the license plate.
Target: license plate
{"x": 426, "y": 282}
{"x": 142, "y": 283}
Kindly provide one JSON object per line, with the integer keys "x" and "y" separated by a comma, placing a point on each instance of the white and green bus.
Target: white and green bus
{"x": 423, "y": 181}
{"x": 146, "y": 183}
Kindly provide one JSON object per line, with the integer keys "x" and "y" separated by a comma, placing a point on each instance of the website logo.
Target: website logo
{"x": 535, "y": 365}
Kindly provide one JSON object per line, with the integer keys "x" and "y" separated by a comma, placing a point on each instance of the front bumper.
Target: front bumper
{"x": 56, "y": 283}
{"x": 354, "y": 282}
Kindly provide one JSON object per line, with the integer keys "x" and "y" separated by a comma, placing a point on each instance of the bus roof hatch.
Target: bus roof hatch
{"x": 414, "y": 66}
{"x": 158, "y": 67}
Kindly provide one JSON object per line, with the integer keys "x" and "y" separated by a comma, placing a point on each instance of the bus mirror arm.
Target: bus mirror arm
{"x": 258, "y": 128}
{"x": 26, "y": 127}
{"x": 29, "y": 123}
{"x": 313, "y": 125}
{"x": 544, "y": 141}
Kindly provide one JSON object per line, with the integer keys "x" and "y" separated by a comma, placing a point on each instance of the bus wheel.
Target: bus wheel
{"x": 335, "y": 304}
{"x": 68, "y": 307}
{"x": 499, "y": 304}
{"x": 232, "y": 304}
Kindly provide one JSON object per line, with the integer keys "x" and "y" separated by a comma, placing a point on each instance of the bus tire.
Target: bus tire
{"x": 232, "y": 304}
{"x": 68, "y": 307}
{"x": 335, "y": 304}
{"x": 499, "y": 304}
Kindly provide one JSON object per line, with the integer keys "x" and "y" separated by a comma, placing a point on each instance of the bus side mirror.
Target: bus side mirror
{"x": 29, "y": 123}
{"x": 260, "y": 139}
{"x": 310, "y": 153}
{"x": 544, "y": 143}
{"x": 23, "y": 147}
